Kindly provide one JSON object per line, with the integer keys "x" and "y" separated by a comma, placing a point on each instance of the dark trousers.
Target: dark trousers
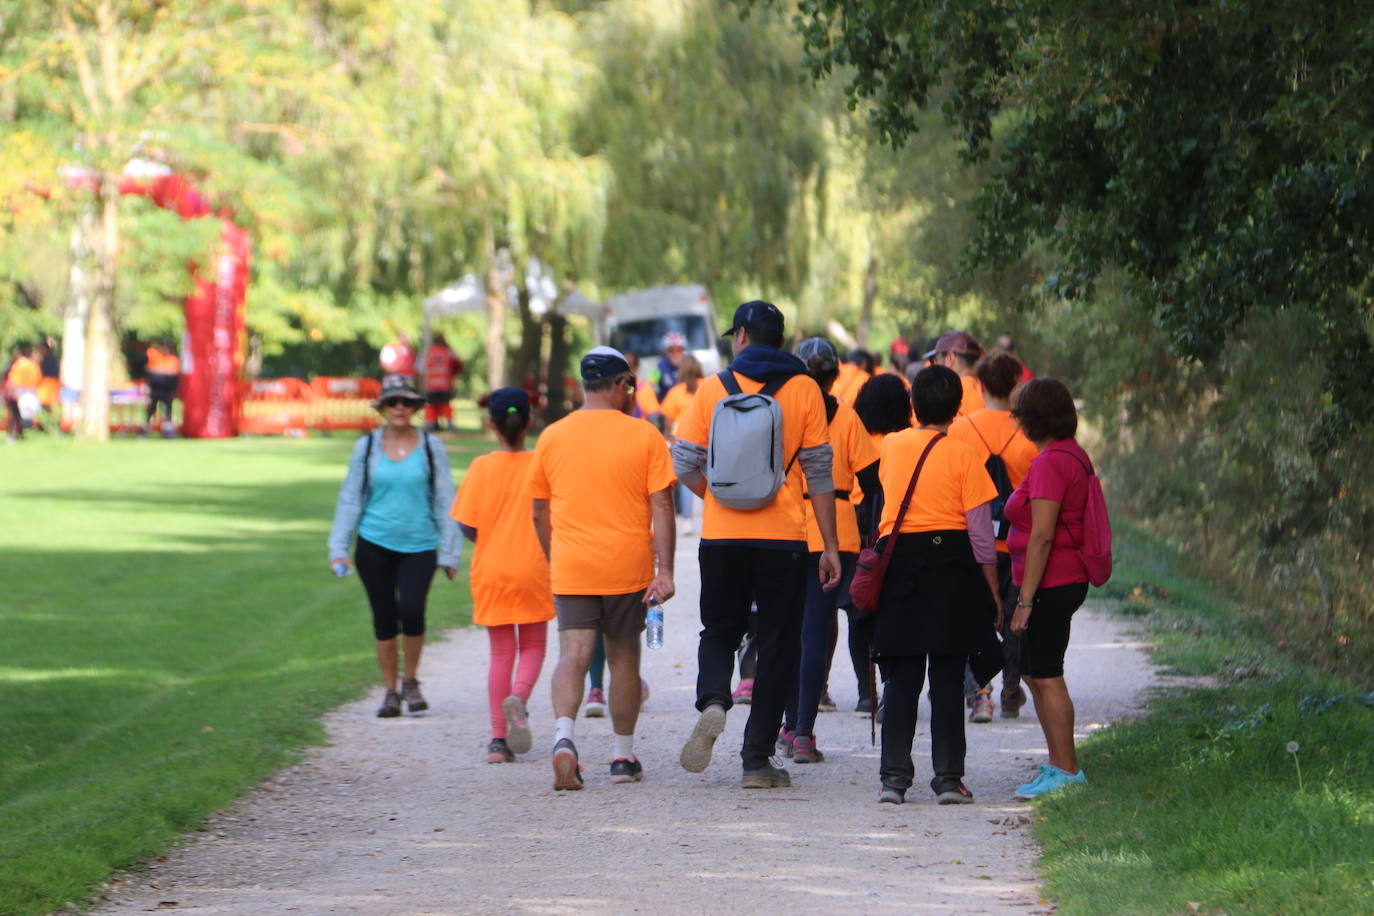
{"x": 903, "y": 677}
{"x": 731, "y": 578}
{"x": 1011, "y": 643}
{"x": 397, "y": 586}
{"x": 818, "y": 632}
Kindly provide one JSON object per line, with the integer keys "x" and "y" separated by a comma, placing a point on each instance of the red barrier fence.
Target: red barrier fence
{"x": 288, "y": 406}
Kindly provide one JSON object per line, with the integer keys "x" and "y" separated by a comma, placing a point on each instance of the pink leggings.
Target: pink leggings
{"x": 533, "y": 641}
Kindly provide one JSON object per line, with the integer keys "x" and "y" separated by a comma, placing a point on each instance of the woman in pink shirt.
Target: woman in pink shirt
{"x": 1048, "y": 574}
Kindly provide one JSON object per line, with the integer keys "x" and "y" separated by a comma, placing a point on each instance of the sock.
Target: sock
{"x": 562, "y": 728}
{"x": 625, "y": 747}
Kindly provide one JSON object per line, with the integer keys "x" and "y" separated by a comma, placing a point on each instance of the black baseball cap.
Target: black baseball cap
{"x": 756, "y": 315}
{"x": 507, "y": 400}
{"x": 603, "y": 362}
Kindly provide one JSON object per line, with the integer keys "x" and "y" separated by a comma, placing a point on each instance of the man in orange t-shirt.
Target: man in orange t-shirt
{"x": 993, "y": 431}
{"x": 756, "y": 555}
{"x": 603, "y": 508}
{"x": 958, "y": 350}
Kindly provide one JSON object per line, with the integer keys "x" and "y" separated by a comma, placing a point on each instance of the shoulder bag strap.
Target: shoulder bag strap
{"x": 1091, "y": 473}
{"x": 910, "y": 490}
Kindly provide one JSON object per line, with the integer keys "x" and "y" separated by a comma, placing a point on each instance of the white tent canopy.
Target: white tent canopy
{"x": 468, "y": 294}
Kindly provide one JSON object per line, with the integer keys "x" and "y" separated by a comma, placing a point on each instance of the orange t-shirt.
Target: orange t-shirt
{"x": 989, "y": 430}
{"x": 510, "y": 575}
{"x": 973, "y": 395}
{"x": 645, "y": 399}
{"x": 676, "y": 401}
{"x": 850, "y": 380}
{"x": 598, "y": 468}
{"x": 24, "y": 374}
{"x": 803, "y": 426}
{"x": 854, "y": 450}
{"x": 952, "y": 482}
{"x": 161, "y": 362}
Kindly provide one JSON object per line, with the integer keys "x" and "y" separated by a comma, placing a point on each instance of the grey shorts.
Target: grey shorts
{"x": 614, "y": 615}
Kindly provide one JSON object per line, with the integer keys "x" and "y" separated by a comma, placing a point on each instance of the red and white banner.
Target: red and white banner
{"x": 212, "y": 351}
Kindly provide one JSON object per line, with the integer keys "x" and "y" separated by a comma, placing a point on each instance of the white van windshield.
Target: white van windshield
{"x": 646, "y": 337}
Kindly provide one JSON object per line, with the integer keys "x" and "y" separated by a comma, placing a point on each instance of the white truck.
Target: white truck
{"x": 637, "y": 323}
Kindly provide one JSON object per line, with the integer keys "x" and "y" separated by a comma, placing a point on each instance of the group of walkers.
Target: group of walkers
{"x": 975, "y": 516}
{"x": 29, "y": 384}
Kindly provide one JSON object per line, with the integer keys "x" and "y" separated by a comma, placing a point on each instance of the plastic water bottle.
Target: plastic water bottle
{"x": 340, "y": 568}
{"x": 653, "y": 626}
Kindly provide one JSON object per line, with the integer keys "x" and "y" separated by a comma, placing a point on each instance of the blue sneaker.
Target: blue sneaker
{"x": 1050, "y": 780}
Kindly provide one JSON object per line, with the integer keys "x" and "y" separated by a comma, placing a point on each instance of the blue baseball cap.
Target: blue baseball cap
{"x": 603, "y": 362}
{"x": 503, "y": 401}
{"x": 756, "y": 315}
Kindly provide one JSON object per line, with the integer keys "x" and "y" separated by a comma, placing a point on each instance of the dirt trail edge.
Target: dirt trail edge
{"x": 405, "y": 816}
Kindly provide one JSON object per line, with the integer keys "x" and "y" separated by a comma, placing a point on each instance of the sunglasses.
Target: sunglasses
{"x": 399, "y": 402}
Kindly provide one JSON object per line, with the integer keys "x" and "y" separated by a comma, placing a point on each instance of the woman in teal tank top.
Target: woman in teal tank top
{"x": 395, "y": 498}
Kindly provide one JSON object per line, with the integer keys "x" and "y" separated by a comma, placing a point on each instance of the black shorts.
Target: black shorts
{"x": 438, "y": 398}
{"x": 1047, "y": 636}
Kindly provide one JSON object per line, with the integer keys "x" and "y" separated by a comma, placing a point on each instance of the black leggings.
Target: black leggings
{"x": 397, "y": 585}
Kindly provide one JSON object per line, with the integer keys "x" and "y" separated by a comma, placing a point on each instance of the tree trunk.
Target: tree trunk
{"x": 870, "y": 295}
{"x": 531, "y": 341}
{"x": 95, "y": 388}
{"x": 496, "y": 319}
{"x": 555, "y": 406}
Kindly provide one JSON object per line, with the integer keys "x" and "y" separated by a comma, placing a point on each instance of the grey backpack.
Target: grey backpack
{"x": 744, "y": 467}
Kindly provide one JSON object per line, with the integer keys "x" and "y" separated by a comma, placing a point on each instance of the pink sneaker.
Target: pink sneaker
{"x": 744, "y": 693}
{"x": 596, "y": 705}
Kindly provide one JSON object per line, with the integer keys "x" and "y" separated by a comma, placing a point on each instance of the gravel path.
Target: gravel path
{"x": 406, "y": 817}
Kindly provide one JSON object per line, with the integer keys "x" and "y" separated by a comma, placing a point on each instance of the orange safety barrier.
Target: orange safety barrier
{"x": 344, "y": 403}
{"x": 276, "y": 406}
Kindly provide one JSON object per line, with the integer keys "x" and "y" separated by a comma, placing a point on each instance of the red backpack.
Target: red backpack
{"x": 1096, "y": 549}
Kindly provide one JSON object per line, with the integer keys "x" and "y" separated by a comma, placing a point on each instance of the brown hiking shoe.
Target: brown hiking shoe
{"x": 391, "y": 706}
{"x": 410, "y": 692}
{"x": 766, "y": 777}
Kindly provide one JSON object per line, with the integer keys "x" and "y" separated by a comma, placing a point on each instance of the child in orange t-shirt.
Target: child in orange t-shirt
{"x": 511, "y": 594}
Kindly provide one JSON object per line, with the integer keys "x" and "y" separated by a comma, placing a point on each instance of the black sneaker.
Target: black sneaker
{"x": 623, "y": 770}
{"x": 391, "y": 706}
{"x": 410, "y": 692}
{"x": 567, "y": 775}
{"x": 766, "y": 777}
{"x": 957, "y": 795}
{"x": 864, "y": 706}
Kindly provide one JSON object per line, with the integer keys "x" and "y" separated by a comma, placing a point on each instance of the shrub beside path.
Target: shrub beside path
{"x": 405, "y": 816}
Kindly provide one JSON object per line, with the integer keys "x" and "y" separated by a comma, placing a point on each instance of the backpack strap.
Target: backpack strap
{"x": 727, "y": 378}
{"x": 1091, "y": 474}
{"x": 982, "y": 437}
{"x": 367, "y": 464}
{"x": 773, "y": 387}
{"x": 429, "y": 466}
{"x": 1086, "y": 466}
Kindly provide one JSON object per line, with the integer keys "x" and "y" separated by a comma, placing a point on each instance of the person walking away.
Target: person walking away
{"x": 398, "y": 358}
{"x": 1007, "y": 345}
{"x": 756, "y": 552}
{"x": 645, "y": 405}
{"x": 855, "y": 371}
{"x": 1007, "y": 455}
{"x": 441, "y": 365}
{"x": 854, "y": 459}
{"x": 50, "y": 385}
{"x": 511, "y": 593}
{"x": 957, "y": 350}
{"x": 21, "y": 391}
{"x": 162, "y": 371}
{"x": 601, "y": 484}
{"x": 939, "y": 603}
{"x": 396, "y": 498}
{"x": 670, "y": 363}
{"x": 883, "y": 405}
{"x": 1047, "y": 513}
{"x": 673, "y": 405}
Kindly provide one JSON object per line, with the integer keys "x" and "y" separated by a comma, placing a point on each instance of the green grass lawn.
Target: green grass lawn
{"x": 1200, "y": 806}
{"x": 172, "y": 635}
